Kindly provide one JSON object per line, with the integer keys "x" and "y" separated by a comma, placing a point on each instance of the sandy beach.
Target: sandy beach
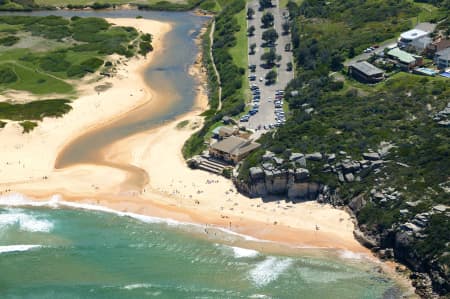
{"x": 169, "y": 188}
{"x": 165, "y": 186}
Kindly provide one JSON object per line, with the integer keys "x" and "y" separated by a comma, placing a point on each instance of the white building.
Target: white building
{"x": 421, "y": 44}
{"x": 406, "y": 38}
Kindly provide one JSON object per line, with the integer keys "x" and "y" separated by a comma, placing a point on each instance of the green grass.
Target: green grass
{"x": 34, "y": 81}
{"x": 283, "y": 3}
{"x": 240, "y": 51}
{"x": 28, "y": 126}
{"x": 36, "y": 110}
{"x": 182, "y": 124}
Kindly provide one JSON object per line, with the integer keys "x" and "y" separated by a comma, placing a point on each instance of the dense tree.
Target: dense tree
{"x": 286, "y": 27}
{"x": 269, "y": 58}
{"x": 263, "y": 4}
{"x": 250, "y": 13}
{"x": 271, "y": 77}
{"x": 252, "y": 49}
{"x": 351, "y": 52}
{"x": 251, "y": 30}
{"x": 267, "y": 20}
{"x": 289, "y": 66}
{"x": 270, "y": 36}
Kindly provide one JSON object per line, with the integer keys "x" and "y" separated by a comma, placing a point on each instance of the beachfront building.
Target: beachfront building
{"x": 442, "y": 59}
{"x": 408, "y": 37}
{"x": 365, "y": 72}
{"x": 405, "y": 60}
{"x": 232, "y": 149}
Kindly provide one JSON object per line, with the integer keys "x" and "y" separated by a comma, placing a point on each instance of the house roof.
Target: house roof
{"x": 235, "y": 145}
{"x": 444, "y": 54}
{"x": 367, "y": 68}
{"x": 226, "y": 130}
{"x": 401, "y": 55}
{"x": 426, "y": 26}
{"x": 413, "y": 34}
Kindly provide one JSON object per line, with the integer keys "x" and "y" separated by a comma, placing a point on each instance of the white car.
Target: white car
{"x": 261, "y": 79}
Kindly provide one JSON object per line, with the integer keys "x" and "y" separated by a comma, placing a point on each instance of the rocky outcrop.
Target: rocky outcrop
{"x": 268, "y": 180}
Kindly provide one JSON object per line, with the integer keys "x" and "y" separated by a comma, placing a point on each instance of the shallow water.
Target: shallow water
{"x": 168, "y": 74}
{"x": 67, "y": 253}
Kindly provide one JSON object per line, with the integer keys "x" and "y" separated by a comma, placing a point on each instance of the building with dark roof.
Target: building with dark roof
{"x": 442, "y": 59}
{"x": 365, "y": 72}
{"x": 232, "y": 149}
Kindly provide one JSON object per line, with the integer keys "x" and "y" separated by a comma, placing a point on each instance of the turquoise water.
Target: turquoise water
{"x": 92, "y": 254}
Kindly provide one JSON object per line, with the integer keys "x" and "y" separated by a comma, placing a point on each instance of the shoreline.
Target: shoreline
{"x": 187, "y": 195}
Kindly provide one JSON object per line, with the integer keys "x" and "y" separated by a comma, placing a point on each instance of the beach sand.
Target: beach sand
{"x": 146, "y": 173}
{"x": 167, "y": 187}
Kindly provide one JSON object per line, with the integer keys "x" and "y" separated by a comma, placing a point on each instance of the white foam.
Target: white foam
{"x": 17, "y": 200}
{"x": 345, "y": 254}
{"x": 137, "y": 286}
{"x": 26, "y": 222}
{"x": 269, "y": 270}
{"x": 15, "y": 248}
{"x": 244, "y": 252}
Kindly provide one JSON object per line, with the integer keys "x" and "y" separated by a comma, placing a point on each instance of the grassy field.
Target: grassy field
{"x": 240, "y": 53}
{"x": 47, "y": 55}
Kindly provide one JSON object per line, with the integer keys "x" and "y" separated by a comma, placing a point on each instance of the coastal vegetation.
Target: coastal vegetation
{"x": 47, "y": 55}
{"x": 230, "y": 69}
{"x": 331, "y": 113}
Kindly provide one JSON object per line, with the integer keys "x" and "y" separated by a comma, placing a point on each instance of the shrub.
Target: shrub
{"x": 9, "y": 40}
{"x": 7, "y": 75}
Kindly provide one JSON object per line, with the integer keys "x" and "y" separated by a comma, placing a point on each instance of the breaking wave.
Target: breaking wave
{"x": 269, "y": 270}
{"x": 25, "y": 222}
{"x": 15, "y": 248}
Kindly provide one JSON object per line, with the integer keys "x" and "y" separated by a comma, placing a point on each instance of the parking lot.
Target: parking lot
{"x": 267, "y": 106}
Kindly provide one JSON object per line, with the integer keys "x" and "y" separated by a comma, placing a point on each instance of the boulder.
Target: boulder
{"x": 378, "y": 196}
{"x": 341, "y": 177}
{"x": 267, "y": 166}
{"x": 349, "y": 177}
{"x": 376, "y": 164}
{"x": 278, "y": 161}
{"x": 331, "y": 158}
{"x": 268, "y": 156}
{"x": 301, "y": 162}
{"x": 301, "y": 174}
{"x": 295, "y": 156}
{"x": 256, "y": 173}
{"x": 350, "y": 166}
{"x": 314, "y": 156}
{"x": 371, "y": 156}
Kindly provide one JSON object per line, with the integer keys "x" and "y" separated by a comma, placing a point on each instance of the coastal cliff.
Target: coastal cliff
{"x": 294, "y": 176}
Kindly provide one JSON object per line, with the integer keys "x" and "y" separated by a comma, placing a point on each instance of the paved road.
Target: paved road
{"x": 266, "y": 115}
{"x": 365, "y": 56}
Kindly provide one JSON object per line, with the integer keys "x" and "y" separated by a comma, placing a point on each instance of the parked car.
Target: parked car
{"x": 244, "y": 118}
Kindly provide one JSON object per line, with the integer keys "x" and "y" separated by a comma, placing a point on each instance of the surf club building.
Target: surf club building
{"x": 232, "y": 149}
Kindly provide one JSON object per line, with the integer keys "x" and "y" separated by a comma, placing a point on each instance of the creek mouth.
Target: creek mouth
{"x": 167, "y": 75}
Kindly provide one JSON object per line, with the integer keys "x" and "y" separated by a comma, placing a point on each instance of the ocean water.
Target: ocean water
{"x": 54, "y": 251}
